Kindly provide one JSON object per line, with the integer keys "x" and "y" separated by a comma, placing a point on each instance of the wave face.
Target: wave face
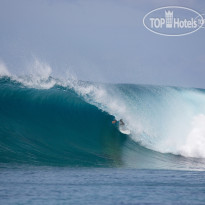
{"x": 69, "y": 123}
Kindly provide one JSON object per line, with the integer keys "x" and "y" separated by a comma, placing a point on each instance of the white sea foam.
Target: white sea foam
{"x": 38, "y": 76}
{"x": 194, "y": 145}
{"x": 3, "y": 69}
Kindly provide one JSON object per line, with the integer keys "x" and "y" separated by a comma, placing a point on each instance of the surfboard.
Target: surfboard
{"x": 124, "y": 130}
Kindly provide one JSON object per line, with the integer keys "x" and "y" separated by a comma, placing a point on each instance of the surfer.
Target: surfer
{"x": 122, "y": 127}
{"x": 120, "y": 122}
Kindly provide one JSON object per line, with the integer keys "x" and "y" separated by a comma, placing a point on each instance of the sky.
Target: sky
{"x": 100, "y": 40}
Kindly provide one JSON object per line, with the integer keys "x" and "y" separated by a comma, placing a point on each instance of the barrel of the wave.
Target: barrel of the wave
{"x": 41, "y": 126}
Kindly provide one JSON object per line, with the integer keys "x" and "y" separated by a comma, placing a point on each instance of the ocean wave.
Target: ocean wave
{"x": 45, "y": 119}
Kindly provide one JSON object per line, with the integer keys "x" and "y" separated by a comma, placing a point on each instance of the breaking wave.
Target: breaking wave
{"x": 44, "y": 120}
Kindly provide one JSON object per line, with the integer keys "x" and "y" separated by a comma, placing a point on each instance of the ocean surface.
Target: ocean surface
{"x": 63, "y": 185}
{"x": 58, "y": 144}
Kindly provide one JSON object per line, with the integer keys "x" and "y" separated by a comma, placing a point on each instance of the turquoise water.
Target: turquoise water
{"x": 58, "y": 144}
{"x": 62, "y": 185}
{"x": 71, "y": 125}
